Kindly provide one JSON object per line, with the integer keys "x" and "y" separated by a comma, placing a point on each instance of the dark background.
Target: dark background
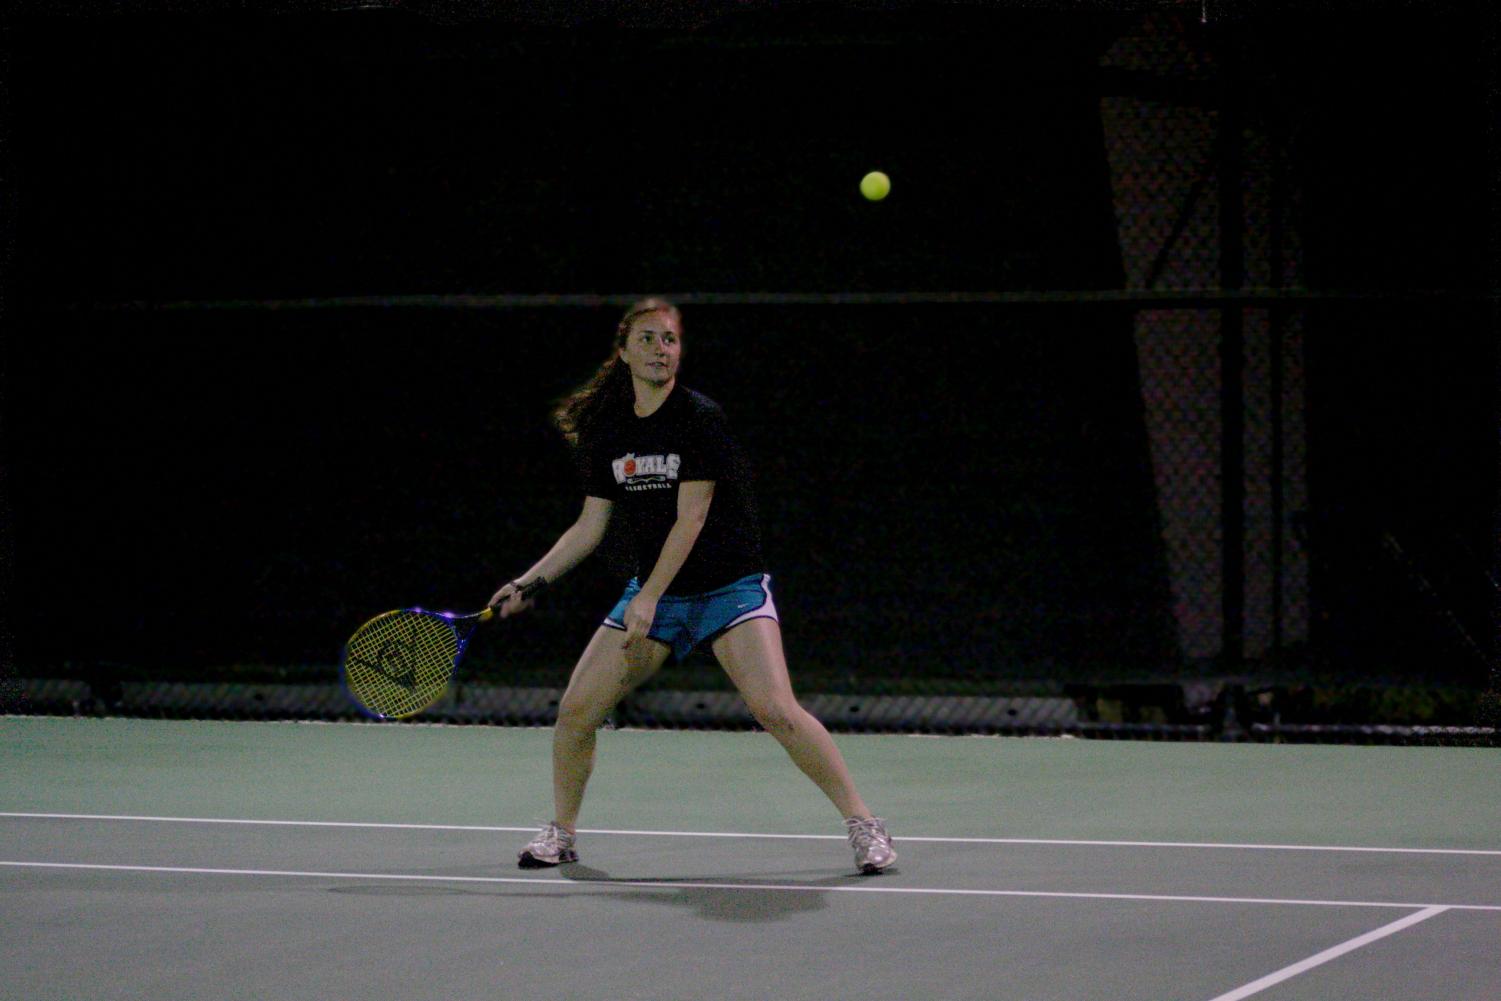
{"x": 197, "y": 477}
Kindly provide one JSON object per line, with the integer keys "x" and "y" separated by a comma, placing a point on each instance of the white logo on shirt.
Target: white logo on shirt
{"x": 646, "y": 472}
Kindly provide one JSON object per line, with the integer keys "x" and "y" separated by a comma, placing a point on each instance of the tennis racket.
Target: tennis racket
{"x": 401, "y": 662}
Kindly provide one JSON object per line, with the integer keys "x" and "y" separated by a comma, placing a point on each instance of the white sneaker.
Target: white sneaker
{"x": 872, "y": 845}
{"x": 552, "y": 845}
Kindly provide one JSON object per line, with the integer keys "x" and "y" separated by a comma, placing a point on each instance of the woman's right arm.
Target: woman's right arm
{"x": 571, "y": 549}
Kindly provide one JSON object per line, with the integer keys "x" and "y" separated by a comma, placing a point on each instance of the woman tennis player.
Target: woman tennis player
{"x": 661, "y": 457}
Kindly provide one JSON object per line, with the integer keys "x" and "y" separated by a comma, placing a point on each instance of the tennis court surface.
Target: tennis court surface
{"x": 189, "y": 859}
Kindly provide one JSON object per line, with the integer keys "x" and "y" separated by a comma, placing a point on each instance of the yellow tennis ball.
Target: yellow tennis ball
{"x": 875, "y": 185}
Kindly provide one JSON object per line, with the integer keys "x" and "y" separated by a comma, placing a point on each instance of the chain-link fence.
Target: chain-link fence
{"x": 1132, "y": 428}
{"x": 1040, "y": 548}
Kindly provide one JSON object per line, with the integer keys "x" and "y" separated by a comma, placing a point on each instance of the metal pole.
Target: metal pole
{"x": 1232, "y": 351}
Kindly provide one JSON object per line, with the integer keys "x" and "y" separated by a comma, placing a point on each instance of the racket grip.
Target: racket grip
{"x": 525, "y": 591}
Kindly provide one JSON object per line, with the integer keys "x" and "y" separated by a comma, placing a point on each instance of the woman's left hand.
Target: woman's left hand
{"x": 639, "y": 615}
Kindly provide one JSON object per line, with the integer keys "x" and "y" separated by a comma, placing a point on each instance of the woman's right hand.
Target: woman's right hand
{"x": 508, "y": 600}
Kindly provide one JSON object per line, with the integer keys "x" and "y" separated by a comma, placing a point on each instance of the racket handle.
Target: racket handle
{"x": 487, "y": 614}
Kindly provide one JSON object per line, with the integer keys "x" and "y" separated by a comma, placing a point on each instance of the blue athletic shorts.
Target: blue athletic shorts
{"x": 685, "y": 620}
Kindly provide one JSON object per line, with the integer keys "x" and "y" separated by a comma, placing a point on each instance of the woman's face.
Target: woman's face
{"x": 652, "y": 348}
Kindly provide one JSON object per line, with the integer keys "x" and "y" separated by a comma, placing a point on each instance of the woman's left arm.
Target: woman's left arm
{"x": 694, "y": 497}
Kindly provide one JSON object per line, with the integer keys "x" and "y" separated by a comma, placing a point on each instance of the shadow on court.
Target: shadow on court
{"x": 730, "y": 905}
{"x": 736, "y": 906}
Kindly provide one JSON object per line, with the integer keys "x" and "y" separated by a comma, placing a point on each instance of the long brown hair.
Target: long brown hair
{"x": 609, "y": 388}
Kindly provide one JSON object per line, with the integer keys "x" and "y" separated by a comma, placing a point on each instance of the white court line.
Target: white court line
{"x": 1319, "y": 959}
{"x": 788, "y": 887}
{"x": 780, "y": 837}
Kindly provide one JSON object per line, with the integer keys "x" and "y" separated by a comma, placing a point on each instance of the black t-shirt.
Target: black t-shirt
{"x": 637, "y": 464}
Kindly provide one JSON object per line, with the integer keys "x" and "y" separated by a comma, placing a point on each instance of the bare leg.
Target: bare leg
{"x": 751, "y": 654}
{"x": 605, "y": 674}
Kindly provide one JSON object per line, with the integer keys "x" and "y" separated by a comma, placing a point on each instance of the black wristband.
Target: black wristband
{"x": 531, "y": 588}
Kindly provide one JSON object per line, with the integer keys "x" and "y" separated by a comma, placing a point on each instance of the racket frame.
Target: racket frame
{"x": 463, "y": 627}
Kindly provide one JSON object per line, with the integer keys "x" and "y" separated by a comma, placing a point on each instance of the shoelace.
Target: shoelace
{"x": 865, "y": 833}
{"x": 551, "y": 836}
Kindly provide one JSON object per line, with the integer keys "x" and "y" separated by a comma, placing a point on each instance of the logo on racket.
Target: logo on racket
{"x": 394, "y": 660}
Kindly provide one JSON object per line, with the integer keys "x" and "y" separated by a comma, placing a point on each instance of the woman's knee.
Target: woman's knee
{"x": 778, "y": 717}
{"x": 580, "y": 714}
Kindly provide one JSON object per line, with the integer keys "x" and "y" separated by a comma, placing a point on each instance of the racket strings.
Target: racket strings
{"x": 401, "y": 662}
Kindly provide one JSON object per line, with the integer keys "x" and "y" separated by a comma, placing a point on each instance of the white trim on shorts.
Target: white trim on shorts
{"x": 766, "y": 611}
